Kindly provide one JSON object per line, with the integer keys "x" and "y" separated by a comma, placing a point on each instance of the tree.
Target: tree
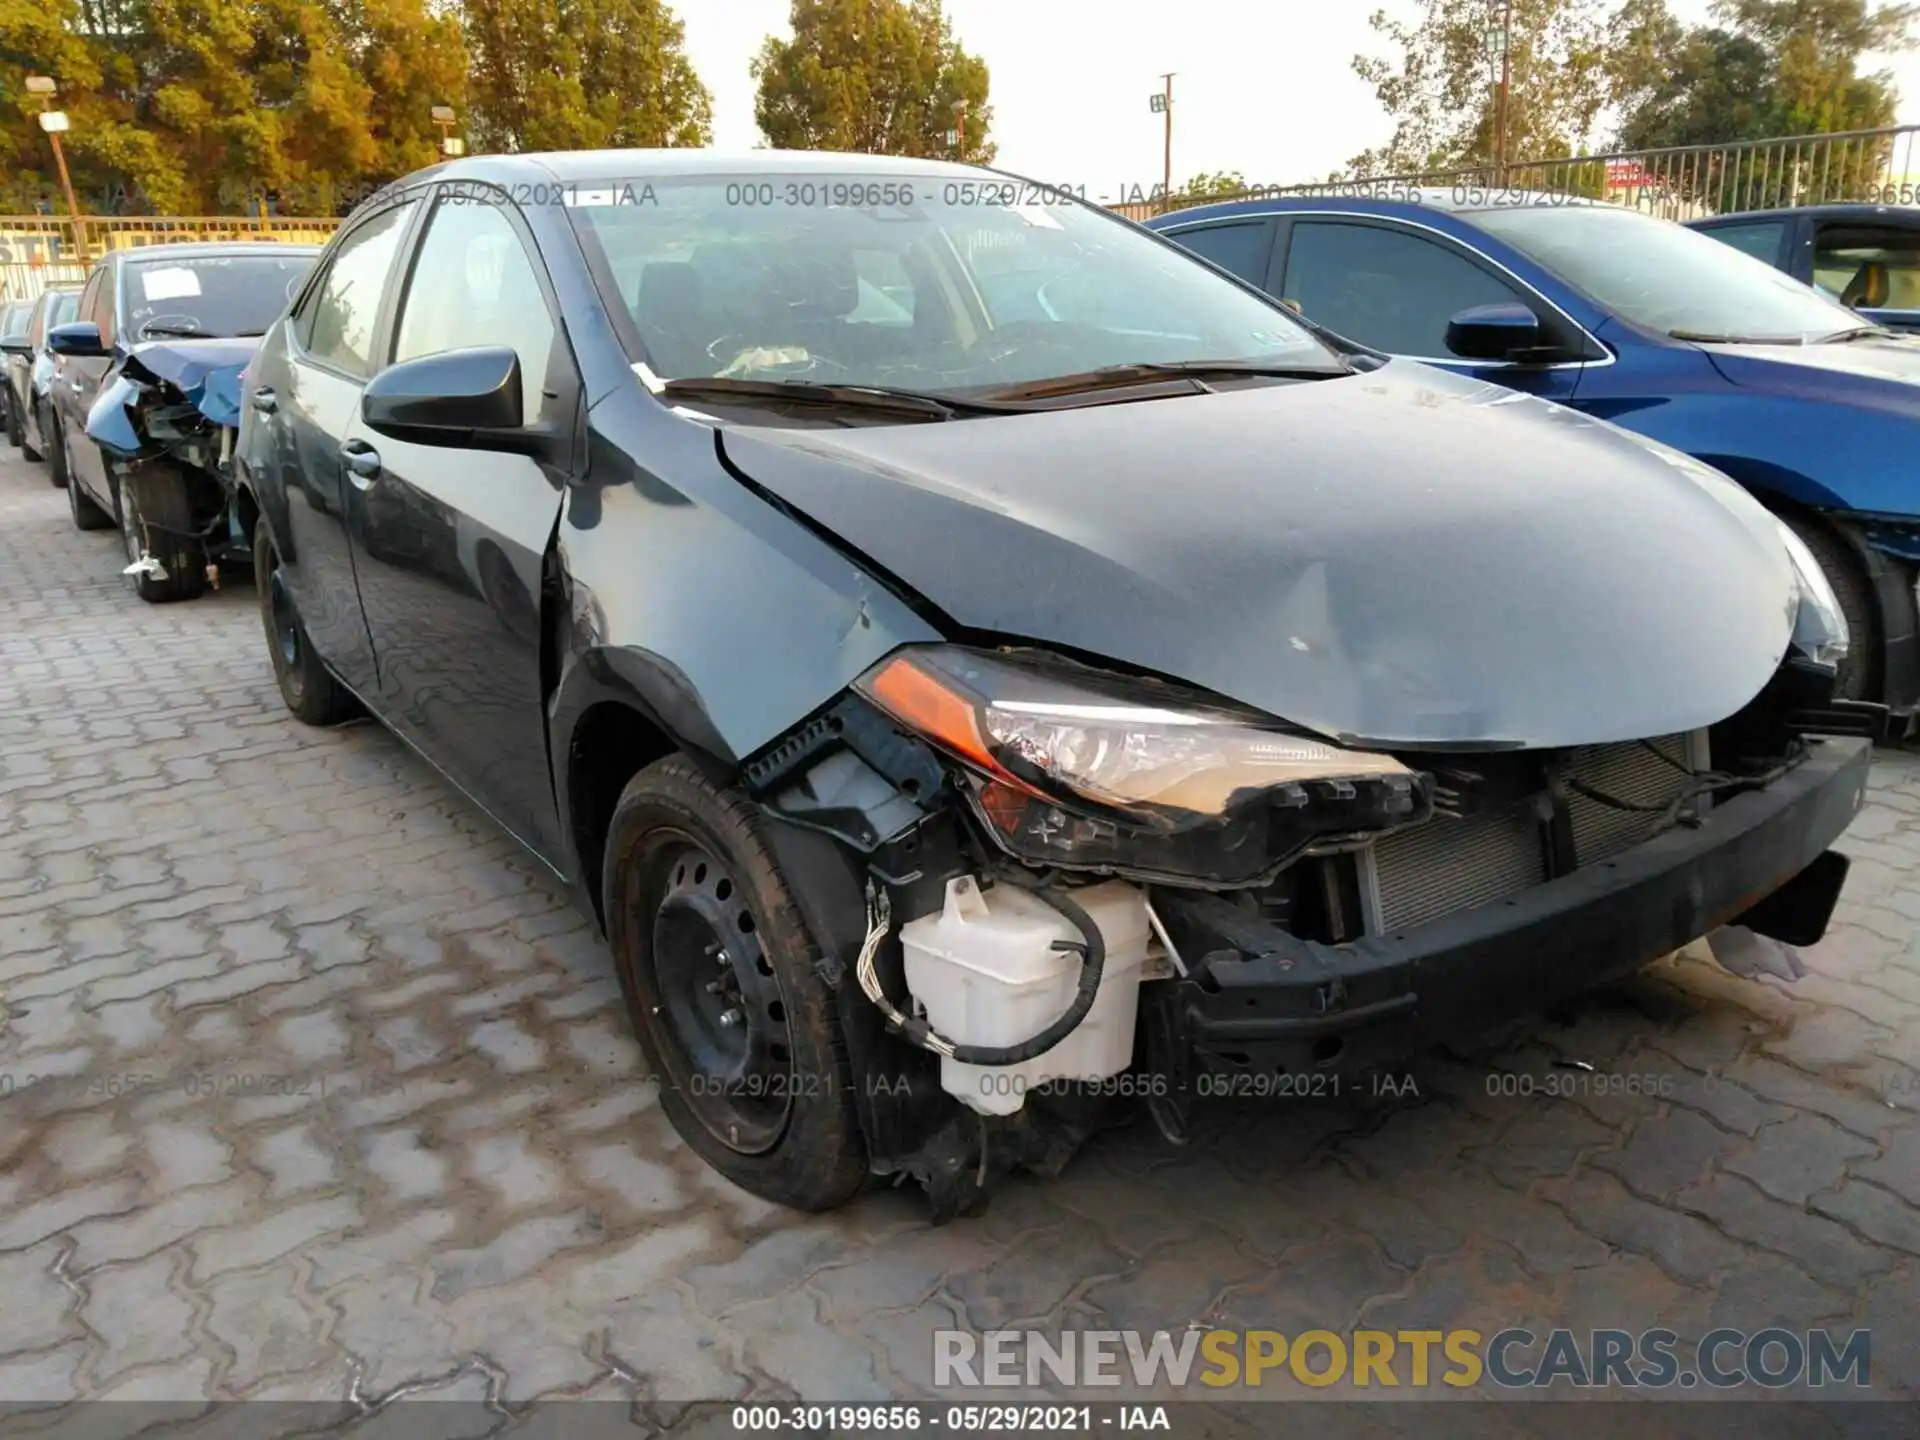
{"x": 1764, "y": 68}
{"x": 1213, "y": 185}
{"x": 582, "y": 74}
{"x": 1441, "y": 92}
{"x": 875, "y": 76}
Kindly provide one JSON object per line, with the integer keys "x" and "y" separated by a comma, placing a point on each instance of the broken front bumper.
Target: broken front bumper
{"x": 1259, "y": 999}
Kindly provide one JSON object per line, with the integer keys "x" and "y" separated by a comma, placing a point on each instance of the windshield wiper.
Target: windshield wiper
{"x": 1858, "y": 332}
{"x": 1719, "y": 337}
{"x": 1109, "y": 376}
{"x": 916, "y": 403}
{"x": 184, "y": 332}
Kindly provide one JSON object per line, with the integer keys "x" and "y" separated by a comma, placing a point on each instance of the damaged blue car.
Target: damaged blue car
{"x": 144, "y": 421}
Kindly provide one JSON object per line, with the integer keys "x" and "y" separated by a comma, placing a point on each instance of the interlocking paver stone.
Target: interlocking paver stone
{"x": 387, "y": 1126}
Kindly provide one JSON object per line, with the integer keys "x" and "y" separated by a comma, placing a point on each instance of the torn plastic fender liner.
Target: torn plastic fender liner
{"x": 164, "y": 382}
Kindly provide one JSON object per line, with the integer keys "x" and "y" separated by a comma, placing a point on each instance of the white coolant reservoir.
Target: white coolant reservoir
{"x": 985, "y": 972}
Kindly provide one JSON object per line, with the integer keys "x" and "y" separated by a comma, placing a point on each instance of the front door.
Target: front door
{"x": 449, "y": 543}
{"x": 78, "y": 387}
{"x": 305, "y": 398}
{"x": 1394, "y": 288}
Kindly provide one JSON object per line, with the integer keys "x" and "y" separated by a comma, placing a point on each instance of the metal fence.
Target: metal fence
{"x": 37, "y": 251}
{"x": 1678, "y": 183}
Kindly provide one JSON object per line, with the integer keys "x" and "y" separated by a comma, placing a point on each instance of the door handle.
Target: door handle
{"x": 362, "y": 460}
{"x": 264, "y": 402}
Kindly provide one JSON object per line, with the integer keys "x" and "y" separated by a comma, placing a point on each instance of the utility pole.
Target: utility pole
{"x": 53, "y": 122}
{"x": 1163, "y": 104}
{"x": 1502, "y": 38}
{"x": 960, "y": 131}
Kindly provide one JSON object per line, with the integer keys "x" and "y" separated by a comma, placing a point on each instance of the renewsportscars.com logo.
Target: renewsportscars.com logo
{"x": 1509, "y": 1359}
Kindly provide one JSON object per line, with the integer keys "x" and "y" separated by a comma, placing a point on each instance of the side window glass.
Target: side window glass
{"x": 886, "y": 290}
{"x": 1240, "y": 248}
{"x": 89, "y": 295}
{"x": 347, "y": 304}
{"x": 1873, "y": 267}
{"x": 103, "y": 303}
{"x": 1761, "y": 240}
{"x": 473, "y": 285}
{"x": 1385, "y": 288}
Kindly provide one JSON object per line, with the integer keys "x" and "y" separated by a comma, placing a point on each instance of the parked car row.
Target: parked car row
{"x": 1645, "y": 324}
{"x": 977, "y": 664}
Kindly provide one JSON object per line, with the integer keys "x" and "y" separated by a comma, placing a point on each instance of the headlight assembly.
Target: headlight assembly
{"x": 1819, "y": 624}
{"x": 1071, "y": 766}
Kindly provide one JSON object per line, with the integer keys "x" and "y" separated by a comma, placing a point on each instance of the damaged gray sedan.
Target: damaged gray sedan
{"x": 979, "y": 664}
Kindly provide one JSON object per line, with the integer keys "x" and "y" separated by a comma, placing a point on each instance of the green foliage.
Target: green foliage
{"x": 876, "y": 76}
{"x": 582, "y": 74}
{"x": 1763, "y": 68}
{"x": 1440, "y": 92}
{"x": 1213, "y": 185}
{"x": 211, "y": 106}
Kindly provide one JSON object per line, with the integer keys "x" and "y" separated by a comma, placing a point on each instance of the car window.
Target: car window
{"x": 910, "y": 281}
{"x": 13, "y": 320}
{"x": 1868, "y": 266}
{"x": 86, "y": 308}
{"x": 1240, "y": 247}
{"x": 1390, "y": 289}
{"x": 474, "y": 285}
{"x": 236, "y": 293}
{"x": 1666, "y": 277}
{"x": 347, "y": 302}
{"x": 106, "y": 305}
{"x": 1760, "y": 238}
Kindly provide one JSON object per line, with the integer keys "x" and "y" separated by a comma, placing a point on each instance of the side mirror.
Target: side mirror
{"x": 1493, "y": 332}
{"x": 77, "y": 337}
{"x": 469, "y": 399}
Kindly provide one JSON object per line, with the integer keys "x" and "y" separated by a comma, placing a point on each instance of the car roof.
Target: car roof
{"x": 1400, "y": 202}
{"x": 579, "y": 165}
{"x": 202, "y": 249}
{"x": 1848, "y": 210}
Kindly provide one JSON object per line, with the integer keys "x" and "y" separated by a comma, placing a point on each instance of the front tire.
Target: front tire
{"x": 307, "y": 687}
{"x": 16, "y": 431}
{"x": 703, "y": 928}
{"x": 1859, "y": 677}
{"x": 153, "y": 514}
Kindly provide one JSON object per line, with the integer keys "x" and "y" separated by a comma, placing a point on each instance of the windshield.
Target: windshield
{"x": 1666, "y": 277}
{"x": 211, "y": 294}
{"x": 909, "y": 281}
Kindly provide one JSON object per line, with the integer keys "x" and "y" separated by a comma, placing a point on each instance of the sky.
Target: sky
{"x": 1264, "y": 87}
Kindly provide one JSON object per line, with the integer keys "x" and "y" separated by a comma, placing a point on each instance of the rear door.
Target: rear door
{"x": 1394, "y": 287}
{"x": 449, "y": 543}
{"x": 306, "y": 397}
{"x": 82, "y": 376}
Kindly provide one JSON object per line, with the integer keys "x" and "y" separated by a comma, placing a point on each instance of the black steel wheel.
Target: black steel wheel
{"x": 720, "y": 975}
{"x": 306, "y": 685}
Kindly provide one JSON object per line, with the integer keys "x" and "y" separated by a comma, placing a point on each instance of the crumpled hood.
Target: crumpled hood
{"x": 162, "y": 376}
{"x": 1882, "y": 373}
{"x": 1399, "y": 557}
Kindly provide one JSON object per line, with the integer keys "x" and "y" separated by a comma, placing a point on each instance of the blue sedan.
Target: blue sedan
{"x": 1645, "y": 323}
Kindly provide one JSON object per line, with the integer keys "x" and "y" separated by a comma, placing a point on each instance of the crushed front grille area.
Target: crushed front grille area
{"x": 1448, "y": 865}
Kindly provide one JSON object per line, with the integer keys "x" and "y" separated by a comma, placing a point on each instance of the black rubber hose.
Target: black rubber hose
{"x": 1093, "y": 962}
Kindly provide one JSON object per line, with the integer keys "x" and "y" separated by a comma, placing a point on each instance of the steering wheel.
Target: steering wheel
{"x": 172, "y": 324}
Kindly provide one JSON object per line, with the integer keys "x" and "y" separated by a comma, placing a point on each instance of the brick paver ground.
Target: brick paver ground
{"x": 312, "y": 1086}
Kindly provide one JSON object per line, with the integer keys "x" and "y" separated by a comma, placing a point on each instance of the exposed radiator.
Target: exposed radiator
{"x": 1448, "y": 865}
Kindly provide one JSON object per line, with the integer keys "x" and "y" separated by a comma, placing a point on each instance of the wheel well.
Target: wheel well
{"x": 247, "y": 509}
{"x": 611, "y": 744}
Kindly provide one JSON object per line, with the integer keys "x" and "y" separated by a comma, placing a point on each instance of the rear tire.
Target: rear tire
{"x": 86, "y": 513}
{"x": 16, "y": 431}
{"x": 153, "y": 514}
{"x": 695, "y": 904}
{"x": 307, "y": 687}
{"x": 56, "y": 448}
{"x": 1859, "y": 677}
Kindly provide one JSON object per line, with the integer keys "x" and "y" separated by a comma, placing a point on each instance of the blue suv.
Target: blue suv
{"x": 1642, "y": 322}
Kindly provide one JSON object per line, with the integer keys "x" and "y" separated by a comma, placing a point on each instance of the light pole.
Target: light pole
{"x": 451, "y": 145}
{"x": 1162, "y": 104}
{"x": 54, "y": 122}
{"x": 960, "y": 131}
{"x": 1499, "y": 46}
